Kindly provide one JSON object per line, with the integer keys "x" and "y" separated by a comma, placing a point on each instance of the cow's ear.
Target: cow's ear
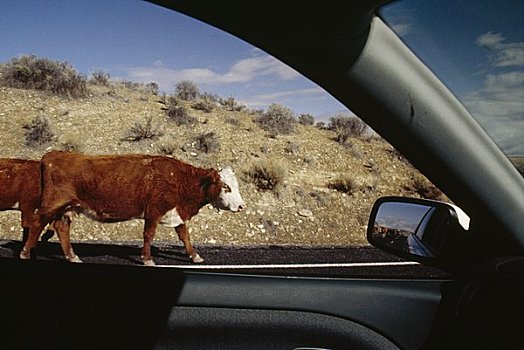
{"x": 206, "y": 182}
{"x": 213, "y": 179}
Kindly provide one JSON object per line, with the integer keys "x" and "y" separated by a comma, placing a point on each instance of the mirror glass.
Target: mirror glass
{"x": 413, "y": 228}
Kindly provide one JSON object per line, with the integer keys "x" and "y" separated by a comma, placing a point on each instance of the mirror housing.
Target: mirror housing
{"x": 417, "y": 229}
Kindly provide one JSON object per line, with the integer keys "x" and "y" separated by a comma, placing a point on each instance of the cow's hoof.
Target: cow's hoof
{"x": 75, "y": 259}
{"x": 149, "y": 263}
{"x": 24, "y": 255}
{"x": 197, "y": 259}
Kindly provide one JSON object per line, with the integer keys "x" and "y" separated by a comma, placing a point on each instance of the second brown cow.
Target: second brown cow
{"x": 20, "y": 190}
{"x": 158, "y": 189}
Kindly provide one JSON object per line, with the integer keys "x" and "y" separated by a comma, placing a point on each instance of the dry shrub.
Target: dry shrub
{"x": 321, "y": 198}
{"x": 207, "y": 143}
{"x": 344, "y": 183}
{"x": 277, "y": 120}
{"x": 233, "y": 121}
{"x": 204, "y": 104}
{"x": 72, "y": 144}
{"x": 39, "y": 132}
{"x": 151, "y": 88}
{"x": 267, "y": 174}
{"x": 142, "y": 131}
{"x": 306, "y": 119}
{"x": 346, "y": 127}
{"x": 231, "y": 105}
{"x": 32, "y": 72}
{"x": 177, "y": 113}
{"x": 100, "y": 78}
{"x": 167, "y": 146}
{"x": 292, "y": 147}
{"x": 187, "y": 90}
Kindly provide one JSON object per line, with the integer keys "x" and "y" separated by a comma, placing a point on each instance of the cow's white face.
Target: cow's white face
{"x": 229, "y": 198}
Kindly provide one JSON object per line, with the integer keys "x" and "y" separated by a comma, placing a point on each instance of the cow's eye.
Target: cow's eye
{"x": 226, "y": 188}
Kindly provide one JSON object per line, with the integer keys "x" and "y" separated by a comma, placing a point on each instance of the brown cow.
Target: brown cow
{"x": 158, "y": 189}
{"x": 20, "y": 190}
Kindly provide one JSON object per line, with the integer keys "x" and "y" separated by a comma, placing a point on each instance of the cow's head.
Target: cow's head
{"x": 229, "y": 197}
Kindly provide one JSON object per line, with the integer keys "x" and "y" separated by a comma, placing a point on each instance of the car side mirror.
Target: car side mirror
{"x": 414, "y": 228}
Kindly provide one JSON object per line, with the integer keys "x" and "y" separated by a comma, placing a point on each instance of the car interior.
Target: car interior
{"x": 348, "y": 50}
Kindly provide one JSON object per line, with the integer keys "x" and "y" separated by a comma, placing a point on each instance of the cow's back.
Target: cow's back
{"x": 108, "y": 187}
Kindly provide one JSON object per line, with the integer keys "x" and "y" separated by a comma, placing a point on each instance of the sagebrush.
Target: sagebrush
{"x": 143, "y": 130}
{"x": 32, "y": 72}
{"x": 38, "y": 132}
{"x": 100, "y": 78}
{"x": 231, "y": 105}
{"x": 306, "y": 119}
{"x": 277, "y": 119}
{"x": 177, "y": 112}
{"x": 343, "y": 183}
{"x": 346, "y": 127}
{"x": 187, "y": 90}
{"x": 207, "y": 142}
{"x": 267, "y": 174}
{"x": 204, "y": 104}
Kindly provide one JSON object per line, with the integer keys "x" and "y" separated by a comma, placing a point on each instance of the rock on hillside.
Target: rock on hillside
{"x": 305, "y": 209}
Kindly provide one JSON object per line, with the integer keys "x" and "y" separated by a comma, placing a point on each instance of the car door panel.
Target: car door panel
{"x": 379, "y": 304}
{"x": 52, "y": 304}
{"x": 241, "y": 328}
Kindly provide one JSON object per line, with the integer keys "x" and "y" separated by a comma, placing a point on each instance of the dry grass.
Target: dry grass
{"x": 344, "y": 183}
{"x": 267, "y": 174}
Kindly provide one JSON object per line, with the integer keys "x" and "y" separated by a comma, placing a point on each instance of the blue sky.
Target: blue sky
{"x": 139, "y": 41}
{"x": 477, "y": 50}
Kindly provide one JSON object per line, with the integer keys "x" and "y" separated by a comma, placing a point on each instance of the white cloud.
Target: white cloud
{"x": 248, "y": 69}
{"x": 401, "y": 28}
{"x": 490, "y": 40}
{"x": 263, "y": 100}
{"x": 510, "y": 55}
{"x": 498, "y": 104}
{"x": 242, "y": 71}
{"x": 503, "y": 54}
{"x": 499, "y": 107}
{"x": 291, "y": 93}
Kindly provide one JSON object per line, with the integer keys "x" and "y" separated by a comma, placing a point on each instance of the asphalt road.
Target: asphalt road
{"x": 281, "y": 260}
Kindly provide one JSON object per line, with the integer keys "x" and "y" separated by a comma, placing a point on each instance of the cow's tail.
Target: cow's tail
{"x": 49, "y": 232}
{"x": 44, "y": 168}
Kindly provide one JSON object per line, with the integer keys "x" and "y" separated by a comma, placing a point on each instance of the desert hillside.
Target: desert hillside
{"x": 318, "y": 190}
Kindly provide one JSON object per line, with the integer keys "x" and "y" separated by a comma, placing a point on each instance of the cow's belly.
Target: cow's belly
{"x": 7, "y": 203}
{"x": 171, "y": 219}
{"x": 111, "y": 214}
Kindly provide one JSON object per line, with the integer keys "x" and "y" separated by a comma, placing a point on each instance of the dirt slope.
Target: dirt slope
{"x": 305, "y": 210}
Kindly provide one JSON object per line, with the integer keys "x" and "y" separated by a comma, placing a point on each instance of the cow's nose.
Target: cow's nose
{"x": 240, "y": 207}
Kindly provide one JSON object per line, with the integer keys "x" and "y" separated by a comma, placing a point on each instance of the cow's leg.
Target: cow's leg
{"x": 183, "y": 234}
{"x": 150, "y": 227}
{"x": 62, "y": 228}
{"x": 28, "y": 216}
{"x": 25, "y": 234}
{"x": 48, "y": 234}
{"x": 27, "y": 219}
{"x": 32, "y": 238}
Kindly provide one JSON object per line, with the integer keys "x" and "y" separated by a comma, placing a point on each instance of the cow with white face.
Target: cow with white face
{"x": 161, "y": 190}
{"x": 229, "y": 198}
